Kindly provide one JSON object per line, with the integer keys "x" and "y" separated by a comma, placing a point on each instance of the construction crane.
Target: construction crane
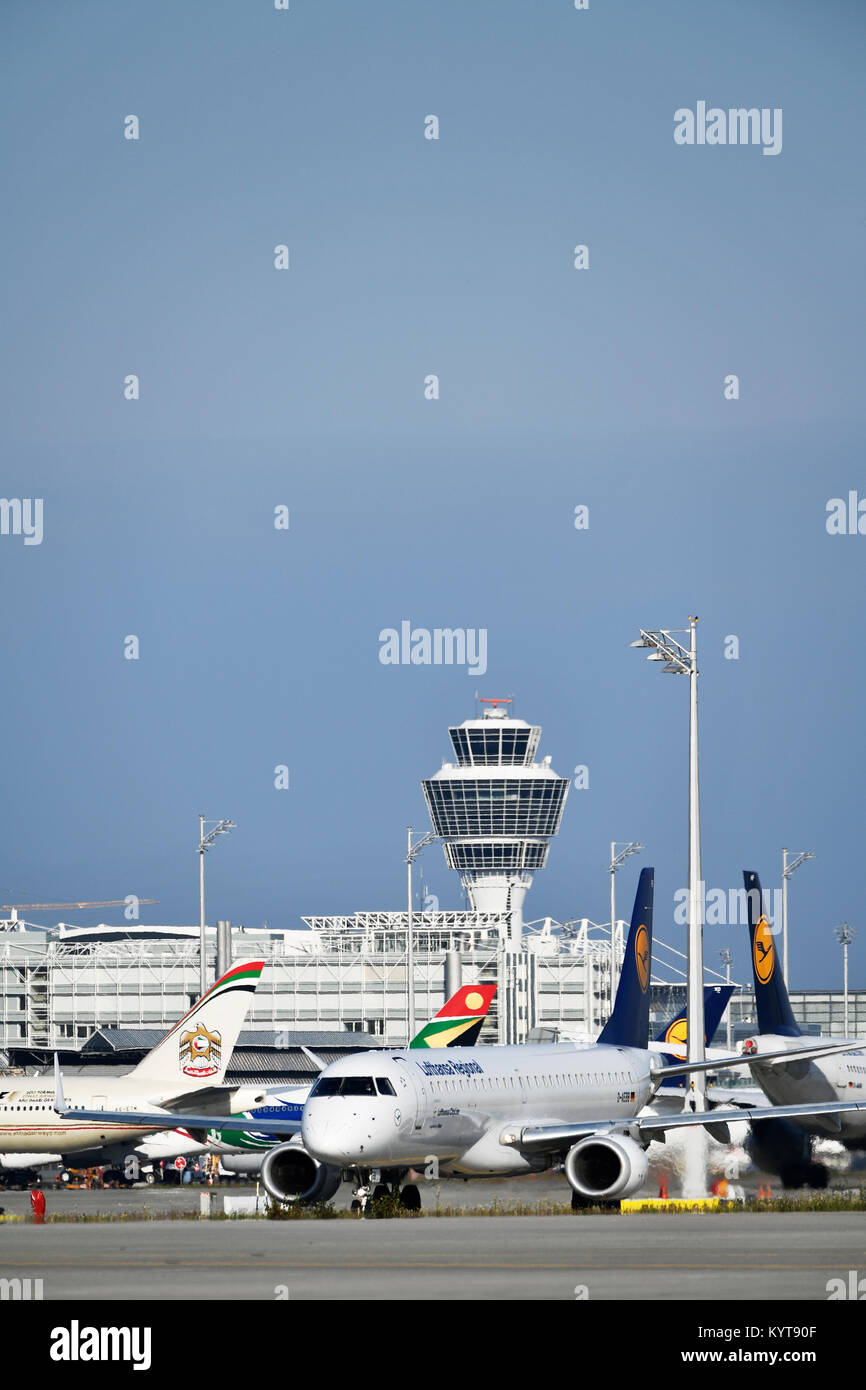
{"x": 46, "y": 907}
{"x": 9, "y": 923}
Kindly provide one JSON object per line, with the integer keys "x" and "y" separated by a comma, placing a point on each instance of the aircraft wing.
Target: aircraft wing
{"x": 201, "y": 1098}
{"x": 162, "y": 1119}
{"x": 720, "y": 1117}
{"x": 555, "y": 1138}
{"x": 742, "y": 1059}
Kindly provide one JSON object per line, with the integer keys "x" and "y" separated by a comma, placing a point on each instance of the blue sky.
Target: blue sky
{"x": 558, "y": 387}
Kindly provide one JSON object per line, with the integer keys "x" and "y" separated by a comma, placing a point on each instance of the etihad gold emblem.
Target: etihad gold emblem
{"x": 642, "y": 957}
{"x": 764, "y": 952}
{"x": 200, "y": 1052}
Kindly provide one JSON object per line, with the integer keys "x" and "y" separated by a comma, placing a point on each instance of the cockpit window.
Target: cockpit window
{"x": 326, "y": 1086}
{"x": 357, "y": 1086}
{"x": 351, "y": 1086}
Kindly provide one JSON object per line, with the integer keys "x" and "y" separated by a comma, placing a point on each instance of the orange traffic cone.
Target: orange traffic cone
{"x": 663, "y": 1188}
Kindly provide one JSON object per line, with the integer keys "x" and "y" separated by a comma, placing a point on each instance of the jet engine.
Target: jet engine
{"x": 605, "y": 1168}
{"x": 289, "y": 1174}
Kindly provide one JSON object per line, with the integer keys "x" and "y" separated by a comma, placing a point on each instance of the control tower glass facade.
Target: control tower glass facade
{"x": 496, "y": 808}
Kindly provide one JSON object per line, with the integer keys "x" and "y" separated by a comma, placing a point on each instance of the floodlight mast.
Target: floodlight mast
{"x": 205, "y": 840}
{"x": 845, "y": 936}
{"x": 412, "y": 852}
{"x": 683, "y": 661}
{"x": 727, "y": 957}
{"x": 616, "y": 860}
{"x": 787, "y": 870}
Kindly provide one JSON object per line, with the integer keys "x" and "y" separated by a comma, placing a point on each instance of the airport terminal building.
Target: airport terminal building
{"x": 494, "y": 808}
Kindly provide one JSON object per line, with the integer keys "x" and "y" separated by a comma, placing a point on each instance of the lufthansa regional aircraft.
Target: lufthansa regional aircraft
{"x": 39, "y": 1124}
{"x": 506, "y": 1111}
{"x": 287, "y": 1173}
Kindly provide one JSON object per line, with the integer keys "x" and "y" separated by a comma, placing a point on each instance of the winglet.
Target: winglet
{"x": 316, "y": 1061}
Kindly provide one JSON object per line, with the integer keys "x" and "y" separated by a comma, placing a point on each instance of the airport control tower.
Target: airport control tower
{"x": 496, "y": 809}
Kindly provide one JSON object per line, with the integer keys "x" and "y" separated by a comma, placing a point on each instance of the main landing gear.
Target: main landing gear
{"x": 805, "y": 1175}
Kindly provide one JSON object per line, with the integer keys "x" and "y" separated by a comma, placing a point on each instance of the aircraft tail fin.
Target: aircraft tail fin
{"x": 628, "y": 1025}
{"x": 716, "y": 1000}
{"x": 198, "y": 1049}
{"x": 771, "y": 995}
{"x": 459, "y": 1021}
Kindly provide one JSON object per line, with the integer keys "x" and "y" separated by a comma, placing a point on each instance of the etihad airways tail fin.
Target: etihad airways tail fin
{"x": 198, "y": 1049}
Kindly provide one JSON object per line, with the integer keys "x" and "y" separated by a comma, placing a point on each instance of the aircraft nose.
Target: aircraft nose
{"x": 323, "y": 1131}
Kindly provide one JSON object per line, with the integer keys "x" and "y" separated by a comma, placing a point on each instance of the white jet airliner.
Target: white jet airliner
{"x": 507, "y": 1111}
{"x": 99, "y": 1116}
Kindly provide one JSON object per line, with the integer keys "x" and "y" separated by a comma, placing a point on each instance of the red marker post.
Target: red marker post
{"x": 37, "y": 1203}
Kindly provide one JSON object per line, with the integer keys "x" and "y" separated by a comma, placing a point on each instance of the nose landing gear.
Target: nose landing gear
{"x": 383, "y": 1194}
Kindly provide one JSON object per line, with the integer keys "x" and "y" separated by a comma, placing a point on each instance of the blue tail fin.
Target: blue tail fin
{"x": 716, "y": 999}
{"x": 628, "y": 1025}
{"x": 771, "y": 996}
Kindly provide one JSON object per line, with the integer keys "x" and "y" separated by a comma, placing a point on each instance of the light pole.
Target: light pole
{"x": 845, "y": 935}
{"x": 727, "y": 957}
{"x": 787, "y": 870}
{"x": 616, "y": 860}
{"x": 683, "y": 661}
{"x": 205, "y": 840}
{"x": 412, "y": 852}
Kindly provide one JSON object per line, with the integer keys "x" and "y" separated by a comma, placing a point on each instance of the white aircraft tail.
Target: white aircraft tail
{"x": 198, "y": 1049}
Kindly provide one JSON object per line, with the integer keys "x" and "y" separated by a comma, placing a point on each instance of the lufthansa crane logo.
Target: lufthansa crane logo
{"x": 677, "y": 1032}
{"x": 642, "y": 957}
{"x": 200, "y": 1052}
{"x": 763, "y": 952}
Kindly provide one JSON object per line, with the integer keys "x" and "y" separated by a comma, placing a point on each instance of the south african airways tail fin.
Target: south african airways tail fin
{"x": 771, "y": 996}
{"x": 458, "y": 1022}
{"x": 628, "y": 1025}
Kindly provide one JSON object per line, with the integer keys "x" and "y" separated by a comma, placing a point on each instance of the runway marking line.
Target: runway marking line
{"x": 576, "y": 1263}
